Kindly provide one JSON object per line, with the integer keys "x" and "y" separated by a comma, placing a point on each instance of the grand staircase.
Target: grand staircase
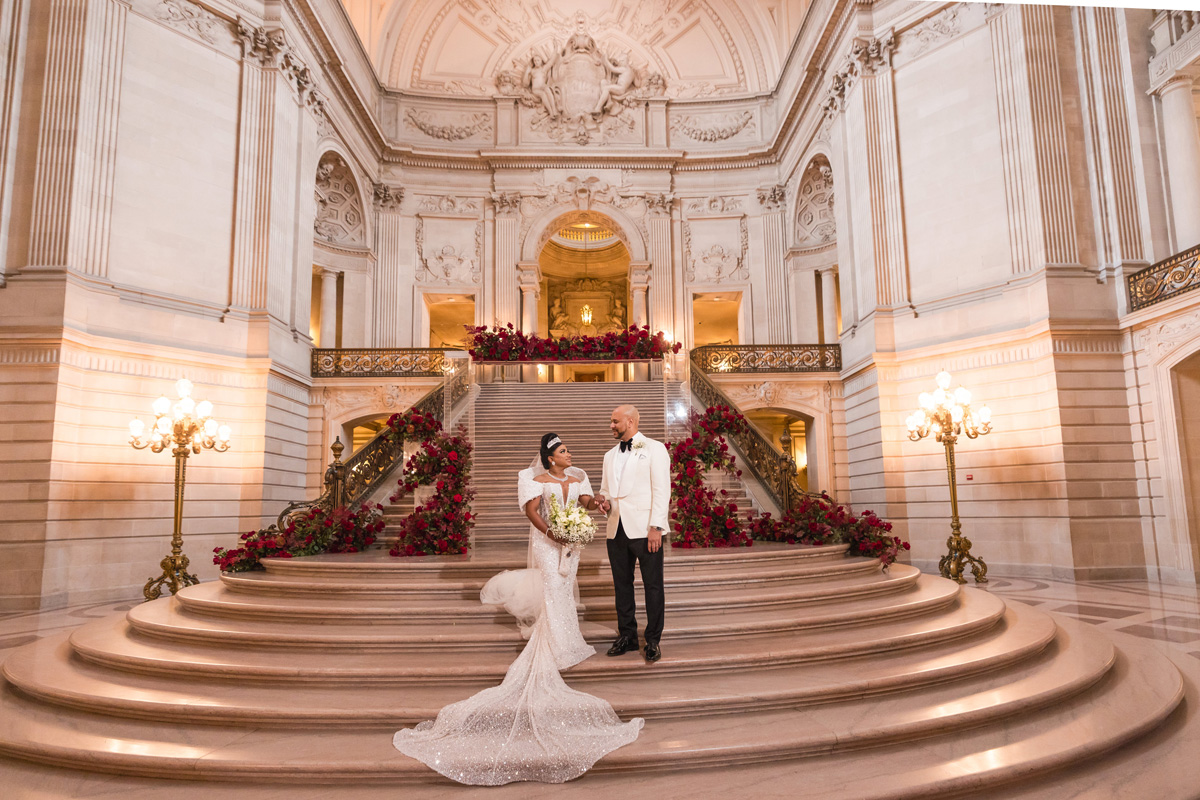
{"x": 787, "y": 671}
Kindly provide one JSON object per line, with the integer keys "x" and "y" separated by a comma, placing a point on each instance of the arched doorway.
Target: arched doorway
{"x": 1185, "y": 380}
{"x": 584, "y": 266}
{"x": 791, "y": 432}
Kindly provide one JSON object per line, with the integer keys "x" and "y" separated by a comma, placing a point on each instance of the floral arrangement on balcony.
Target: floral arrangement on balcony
{"x": 699, "y": 518}
{"x": 341, "y": 530}
{"x": 819, "y": 520}
{"x": 442, "y": 524}
{"x": 510, "y": 344}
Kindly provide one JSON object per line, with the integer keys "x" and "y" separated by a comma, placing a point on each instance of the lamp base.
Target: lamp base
{"x": 175, "y": 576}
{"x": 953, "y": 565}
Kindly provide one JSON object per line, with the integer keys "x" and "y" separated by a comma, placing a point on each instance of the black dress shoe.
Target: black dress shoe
{"x": 621, "y": 646}
{"x": 653, "y": 653}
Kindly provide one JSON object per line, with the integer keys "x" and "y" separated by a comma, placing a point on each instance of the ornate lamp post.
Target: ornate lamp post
{"x": 947, "y": 415}
{"x": 189, "y": 427}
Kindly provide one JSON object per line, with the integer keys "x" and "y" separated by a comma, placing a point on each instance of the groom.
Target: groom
{"x": 636, "y": 490}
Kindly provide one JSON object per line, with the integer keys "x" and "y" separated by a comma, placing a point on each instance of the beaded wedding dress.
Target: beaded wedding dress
{"x": 532, "y": 727}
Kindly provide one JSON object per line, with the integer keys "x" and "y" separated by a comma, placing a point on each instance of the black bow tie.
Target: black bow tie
{"x": 627, "y": 444}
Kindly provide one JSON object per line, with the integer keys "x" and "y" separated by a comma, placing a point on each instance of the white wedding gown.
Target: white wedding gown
{"x": 532, "y": 727}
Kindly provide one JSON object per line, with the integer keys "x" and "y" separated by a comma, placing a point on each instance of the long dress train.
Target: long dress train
{"x": 532, "y": 727}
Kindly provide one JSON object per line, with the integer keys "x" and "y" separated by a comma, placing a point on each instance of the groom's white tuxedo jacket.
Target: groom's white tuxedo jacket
{"x": 642, "y": 494}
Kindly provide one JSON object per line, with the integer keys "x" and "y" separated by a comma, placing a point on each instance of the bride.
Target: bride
{"x": 532, "y": 727}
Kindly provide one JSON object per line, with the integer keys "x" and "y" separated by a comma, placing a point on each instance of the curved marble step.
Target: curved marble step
{"x": 1024, "y": 642}
{"x": 216, "y": 599}
{"x": 172, "y": 620}
{"x": 1140, "y": 690}
{"x": 113, "y": 643}
{"x": 593, "y": 580}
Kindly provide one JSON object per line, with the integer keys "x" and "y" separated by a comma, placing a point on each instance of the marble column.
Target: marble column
{"x": 529, "y": 278}
{"x": 829, "y": 325}
{"x": 639, "y": 283}
{"x": 1182, "y": 139}
{"x": 328, "y": 279}
{"x": 507, "y": 252}
{"x": 774, "y": 204}
{"x": 805, "y": 311}
{"x": 661, "y": 294}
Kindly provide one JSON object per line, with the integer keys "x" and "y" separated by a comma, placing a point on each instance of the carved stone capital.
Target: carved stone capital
{"x": 259, "y": 44}
{"x": 387, "y": 198}
{"x": 773, "y": 198}
{"x": 866, "y": 57}
{"x": 507, "y": 204}
{"x": 660, "y": 204}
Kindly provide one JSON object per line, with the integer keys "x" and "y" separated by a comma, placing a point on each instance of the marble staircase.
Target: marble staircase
{"x": 787, "y": 671}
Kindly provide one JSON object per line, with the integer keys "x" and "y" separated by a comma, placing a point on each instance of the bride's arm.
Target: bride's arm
{"x": 531, "y": 511}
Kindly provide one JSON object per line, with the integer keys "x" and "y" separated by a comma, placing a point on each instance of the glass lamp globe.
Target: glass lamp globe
{"x": 162, "y": 405}
{"x": 943, "y": 380}
{"x": 183, "y": 387}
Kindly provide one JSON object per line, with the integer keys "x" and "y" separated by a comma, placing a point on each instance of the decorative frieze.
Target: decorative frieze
{"x": 714, "y": 204}
{"x": 446, "y": 130}
{"x": 450, "y": 204}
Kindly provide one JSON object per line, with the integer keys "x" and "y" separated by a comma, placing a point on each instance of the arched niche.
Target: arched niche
{"x": 546, "y": 224}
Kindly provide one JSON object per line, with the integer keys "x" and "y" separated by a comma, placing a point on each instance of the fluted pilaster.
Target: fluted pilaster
{"x": 388, "y": 320}
{"x": 14, "y": 19}
{"x": 661, "y": 306}
{"x": 77, "y": 139}
{"x": 1033, "y": 139}
{"x": 774, "y": 205}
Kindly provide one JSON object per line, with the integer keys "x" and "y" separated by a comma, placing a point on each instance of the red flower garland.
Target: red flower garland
{"x": 818, "y": 520}
{"x": 699, "y": 519}
{"x": 442, "y": 524}
{"x": 509, "y": 344}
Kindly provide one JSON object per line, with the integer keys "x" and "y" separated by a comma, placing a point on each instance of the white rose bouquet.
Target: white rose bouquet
{"x": 570, "y": 525}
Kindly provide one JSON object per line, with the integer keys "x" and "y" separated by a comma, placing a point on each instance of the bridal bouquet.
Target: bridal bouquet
{"x": 570, "y": 525}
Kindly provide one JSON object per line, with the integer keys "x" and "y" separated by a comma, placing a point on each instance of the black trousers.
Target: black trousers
{"x": 622, "y": 553}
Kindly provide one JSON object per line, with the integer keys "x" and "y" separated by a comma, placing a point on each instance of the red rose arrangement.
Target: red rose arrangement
{"x": 341, "y": 530}
{"x": 818, "y": 520}
{"x": 442, "y": 524}
{"x": 699, "y": 518}
{"x": 509, "y": 344}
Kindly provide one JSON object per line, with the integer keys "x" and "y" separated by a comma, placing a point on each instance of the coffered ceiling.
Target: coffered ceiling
{"x": 701, "y": 48}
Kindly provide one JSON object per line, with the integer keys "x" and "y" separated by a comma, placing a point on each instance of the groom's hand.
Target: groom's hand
{"x": 654, "y": 539}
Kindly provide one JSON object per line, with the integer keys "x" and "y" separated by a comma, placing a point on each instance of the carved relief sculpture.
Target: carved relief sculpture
{"x": 339, "y": 218}
{"x": 582, "y": 93}
{"x": 814, "y": 205}
{"x": 449, "y": 266}
{"x": 188, "y": 16}
{"x": 388, "y": 198}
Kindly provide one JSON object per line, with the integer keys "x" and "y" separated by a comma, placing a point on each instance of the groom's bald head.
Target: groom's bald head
{"x": 624, "y": 422}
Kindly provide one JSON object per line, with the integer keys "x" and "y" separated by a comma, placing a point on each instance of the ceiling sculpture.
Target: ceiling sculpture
{"x": 562, "y": 52}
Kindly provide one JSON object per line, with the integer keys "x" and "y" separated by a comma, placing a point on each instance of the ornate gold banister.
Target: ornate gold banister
{"x": 775, "y": 470}
{"x": 1168, "y": 278}
{"x": 350, "y": 482}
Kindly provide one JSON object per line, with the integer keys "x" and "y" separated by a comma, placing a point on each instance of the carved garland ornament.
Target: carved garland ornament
{"x": 710, "y": 129}
{"x": 449, "y": 132}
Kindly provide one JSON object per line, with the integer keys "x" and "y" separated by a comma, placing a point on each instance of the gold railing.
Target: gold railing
{"x": 350, "y": 482}
{"x": 775, "y": 470}
{"x": 391, "y": 362}
{"x": 769, "y": 358}
{"x": 1168, "y": 278}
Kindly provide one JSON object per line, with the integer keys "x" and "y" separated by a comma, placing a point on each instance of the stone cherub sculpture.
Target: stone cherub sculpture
{"x": 537, "y": 80}
{"x": 558, "y": 317}
{"x": 621, "y": 77}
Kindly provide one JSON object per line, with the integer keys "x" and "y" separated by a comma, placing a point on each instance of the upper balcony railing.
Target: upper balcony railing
{"x": 1169, "y": 278}
{"x": 768, "y": 358}
{"x": 379, "y": 362}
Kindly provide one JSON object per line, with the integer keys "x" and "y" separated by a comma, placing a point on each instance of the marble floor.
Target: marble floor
{"x": 1168, "y": 616}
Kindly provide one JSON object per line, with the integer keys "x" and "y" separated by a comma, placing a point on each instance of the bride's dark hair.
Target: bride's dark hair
{"x": 547, "y": 449}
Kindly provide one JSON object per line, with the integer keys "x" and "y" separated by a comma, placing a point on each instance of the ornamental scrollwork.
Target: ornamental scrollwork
{"x": 188, "y": 16}
{"x": 1170, "y": 278}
